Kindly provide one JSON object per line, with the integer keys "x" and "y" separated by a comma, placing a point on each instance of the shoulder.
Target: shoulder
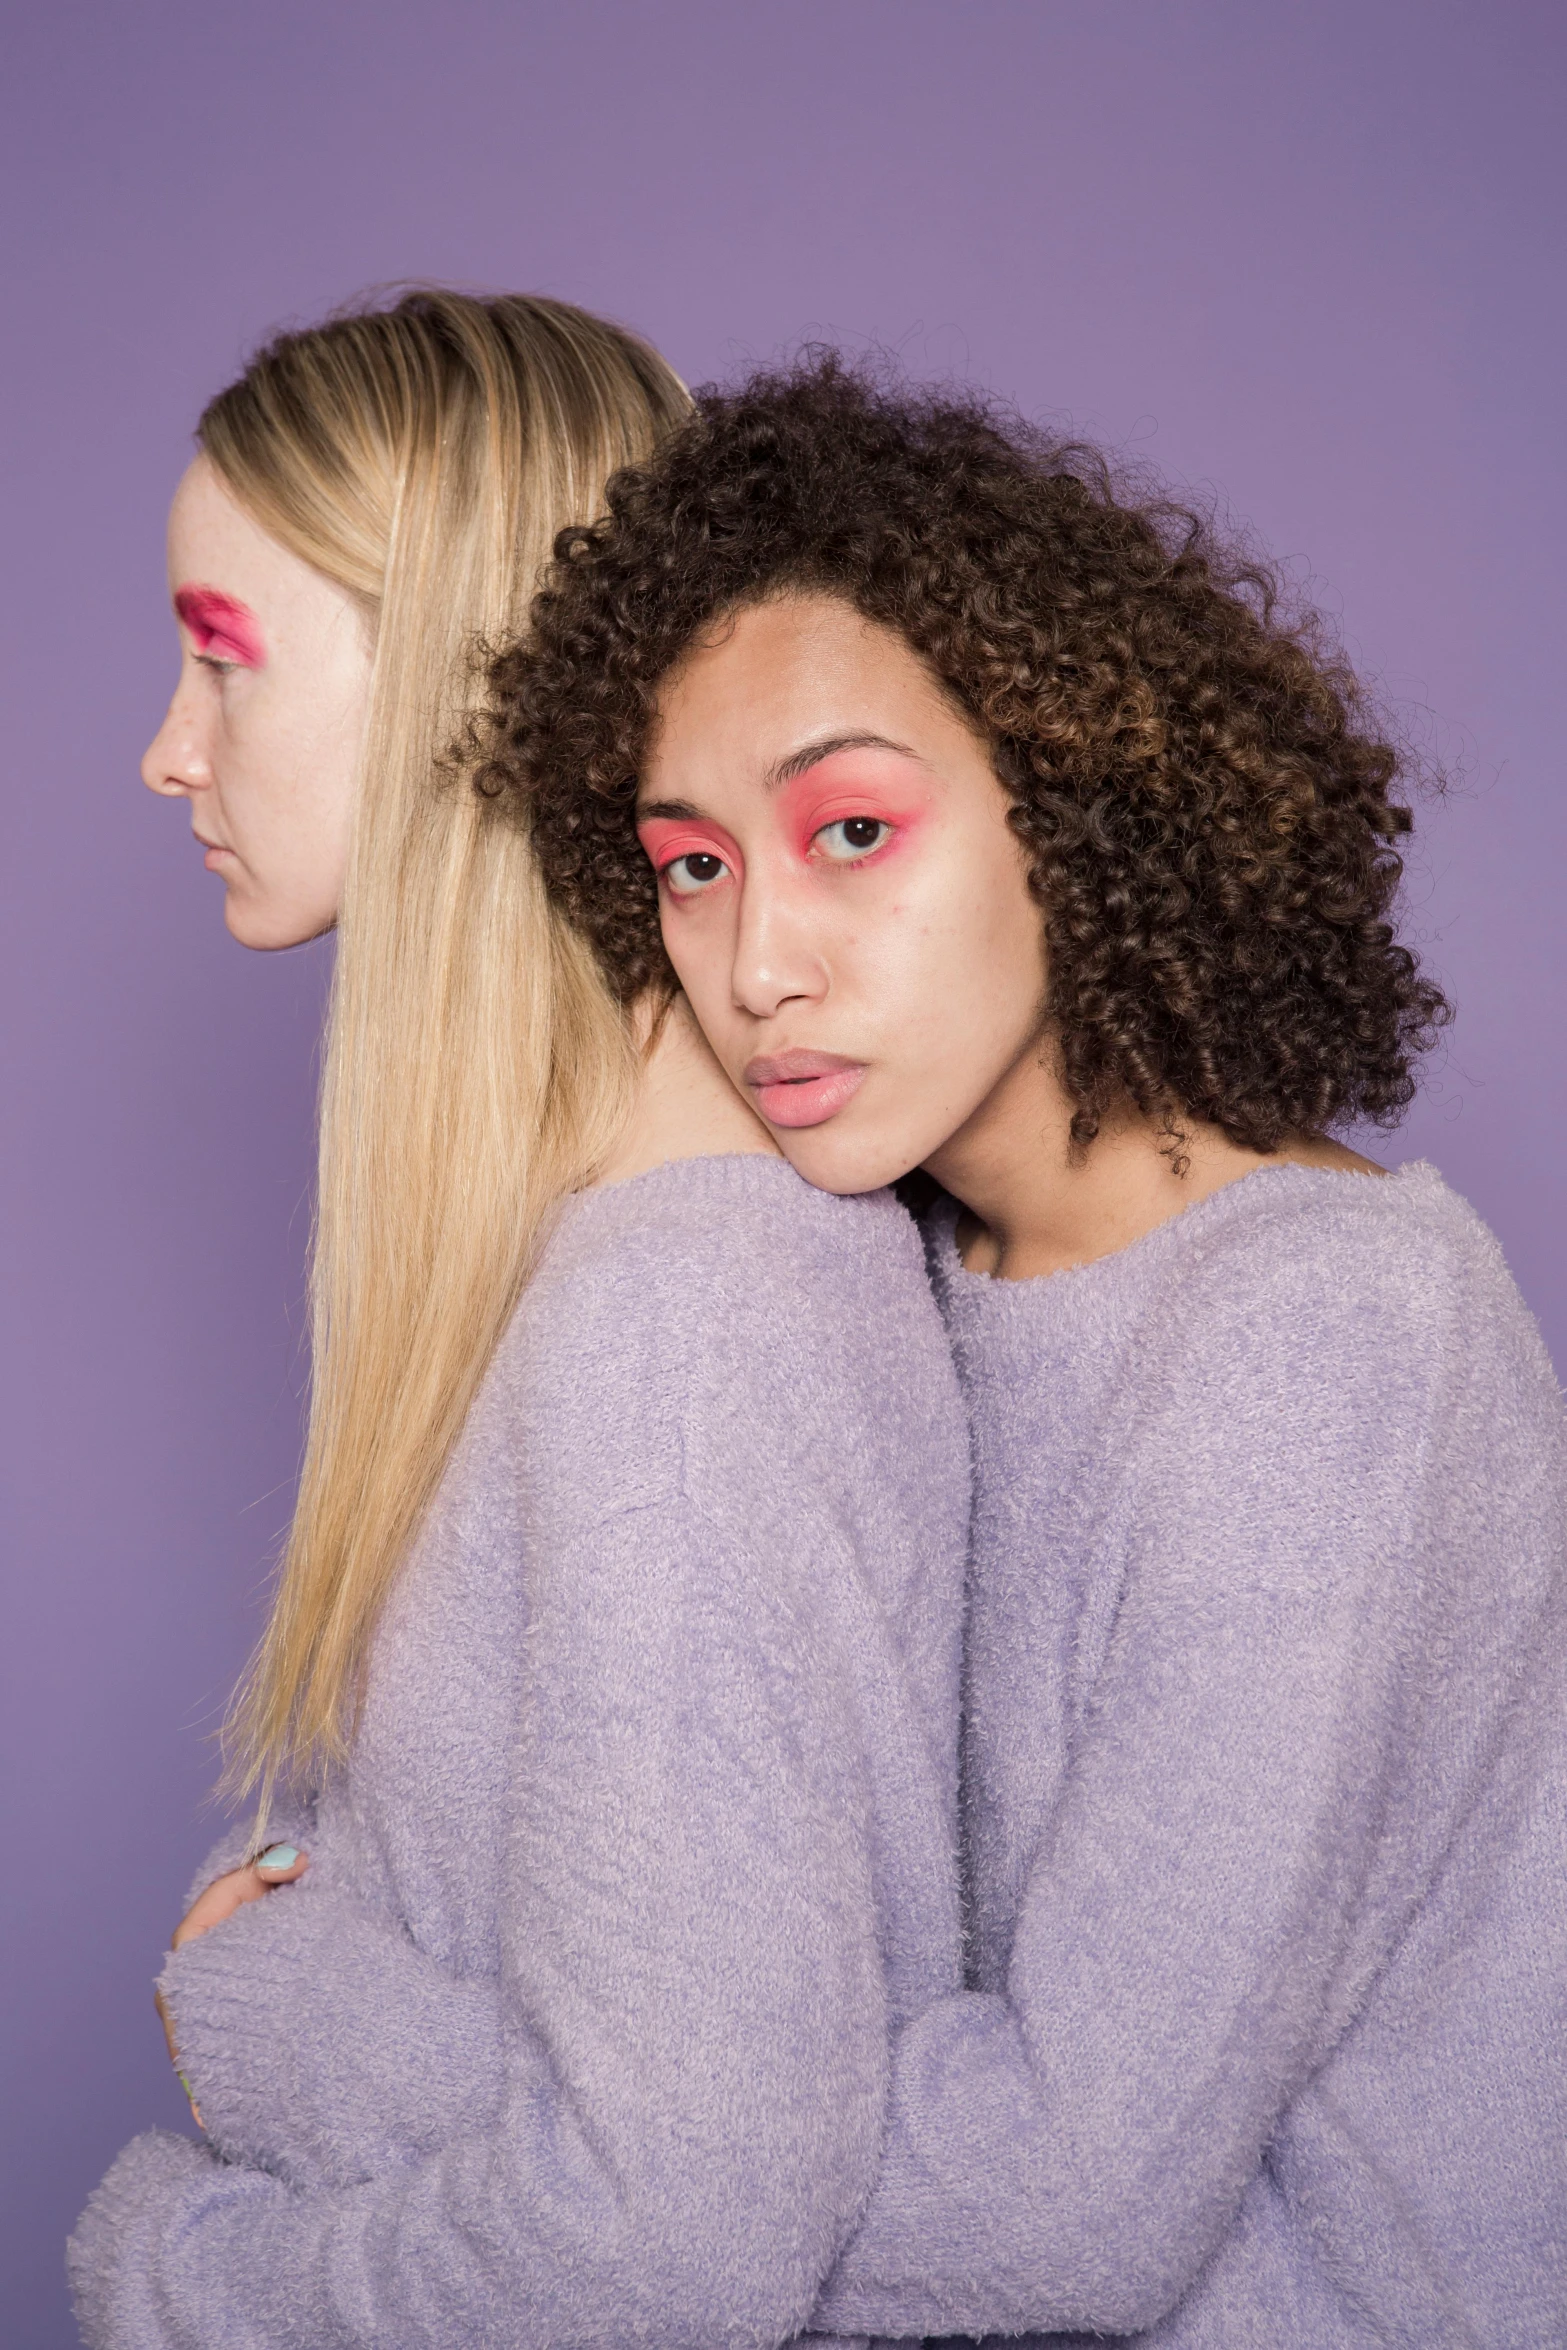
{"x": 702, "y": 1248}
{"x": 1348, "y": 1260}
{"x": 1324, "y": 1312}
{"x": 719, "y": 1308}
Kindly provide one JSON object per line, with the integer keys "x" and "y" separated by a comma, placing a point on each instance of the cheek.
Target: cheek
{"x": 997, "y": 991}
{"x": 954, "y": 933}
{"x": 956, "y": 972}
{"x": 1004, "y": 947}
{"x": 252, "y": 792}
{"x": 698, "y": 939}
{"x": 294, "y": 770}
{"x": 290, "y": 825}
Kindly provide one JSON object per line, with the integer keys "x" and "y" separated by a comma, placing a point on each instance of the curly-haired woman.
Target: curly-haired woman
{"x": 998, "y": 822}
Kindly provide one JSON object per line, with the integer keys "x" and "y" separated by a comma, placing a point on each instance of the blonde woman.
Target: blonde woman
{"x": 604, "y": 1722}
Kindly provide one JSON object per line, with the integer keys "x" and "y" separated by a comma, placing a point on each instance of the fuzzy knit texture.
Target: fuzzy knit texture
{"x": 1266, "y": 1802}
{"x": 577, "y": 2030}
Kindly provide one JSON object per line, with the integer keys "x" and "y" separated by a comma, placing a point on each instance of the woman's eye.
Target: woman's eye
{"x": 689, "y": 875}
{"x": 852, "y": 837}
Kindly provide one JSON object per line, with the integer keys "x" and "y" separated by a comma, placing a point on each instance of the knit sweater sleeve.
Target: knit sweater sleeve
{"x": 397, "y": 2053}
{"x": 691, "y": 2010}
{"x": 692, "y": 2013}
{"x": 1068, "y": 2155}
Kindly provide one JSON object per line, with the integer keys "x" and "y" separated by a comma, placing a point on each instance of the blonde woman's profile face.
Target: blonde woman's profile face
{"x": 263, "y": 734}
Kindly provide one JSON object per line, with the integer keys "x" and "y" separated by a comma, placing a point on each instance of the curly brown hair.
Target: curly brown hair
{"x": 1194, "y": 772}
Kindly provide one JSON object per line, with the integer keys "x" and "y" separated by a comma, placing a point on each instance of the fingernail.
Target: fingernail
{"x": 278, "y": 1856}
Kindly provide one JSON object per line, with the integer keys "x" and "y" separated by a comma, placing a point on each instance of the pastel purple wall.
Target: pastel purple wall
{"x": 1308, "y": 259}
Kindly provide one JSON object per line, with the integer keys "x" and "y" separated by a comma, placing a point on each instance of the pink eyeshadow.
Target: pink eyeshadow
{"x": 221, "y": 625}
{"x": 668, "y": 838}
{"x": 854, "y": 784}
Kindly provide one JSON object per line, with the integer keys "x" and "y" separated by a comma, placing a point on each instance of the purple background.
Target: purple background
{"x": 1306, "y": 258}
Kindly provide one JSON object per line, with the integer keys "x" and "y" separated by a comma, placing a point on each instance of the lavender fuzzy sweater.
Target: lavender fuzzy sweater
{"x": 577, "y": 2029}
{"x": 1267, "y": 1802}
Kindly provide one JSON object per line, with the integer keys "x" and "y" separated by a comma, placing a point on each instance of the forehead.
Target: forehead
{"x": 776, "y": 675}
{"x": 215, "y": 543}
{"x": 205, "y": 513}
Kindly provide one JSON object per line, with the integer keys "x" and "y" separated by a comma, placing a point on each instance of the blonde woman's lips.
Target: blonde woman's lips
{"x": 801, "y": 1088}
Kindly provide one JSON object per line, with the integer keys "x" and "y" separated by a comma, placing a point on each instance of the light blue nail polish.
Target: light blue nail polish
{"x": 278, "y": 1856}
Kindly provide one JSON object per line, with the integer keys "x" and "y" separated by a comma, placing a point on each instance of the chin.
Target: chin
{"x": 268, "y": 930}
{"x": 844, "y": 1162}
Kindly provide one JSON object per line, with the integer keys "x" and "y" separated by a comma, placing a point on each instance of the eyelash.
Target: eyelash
{"x": 211, "y": 661}
{"x": 861, "y": 853}
{"x": 861, "y": 849}
{"x": 692, "y": 857}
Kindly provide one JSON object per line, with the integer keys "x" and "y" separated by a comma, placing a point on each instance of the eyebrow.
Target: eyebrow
{"x": 812, "y": 754}
{"x": 784, "y": 771}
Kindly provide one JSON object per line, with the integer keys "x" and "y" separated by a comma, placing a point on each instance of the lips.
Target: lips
{"x": 801, "y": 1088}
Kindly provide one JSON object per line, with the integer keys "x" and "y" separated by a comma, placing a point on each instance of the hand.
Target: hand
{"x": 280, "y": 1864}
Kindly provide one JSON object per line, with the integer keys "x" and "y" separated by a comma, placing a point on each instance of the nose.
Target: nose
{"x": 777, "y": 958}
{"x": 175, "y": 762}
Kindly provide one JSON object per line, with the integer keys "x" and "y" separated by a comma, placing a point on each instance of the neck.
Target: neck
{"x": 1035, "y": 1205}
{"x": 685, "y": 1107}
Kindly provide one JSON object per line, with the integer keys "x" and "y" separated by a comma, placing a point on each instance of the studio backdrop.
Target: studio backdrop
{"x": 1306, "y": 262}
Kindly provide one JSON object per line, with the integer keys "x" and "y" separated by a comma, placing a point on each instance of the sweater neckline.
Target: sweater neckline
{"x": 1146, "y": 1254}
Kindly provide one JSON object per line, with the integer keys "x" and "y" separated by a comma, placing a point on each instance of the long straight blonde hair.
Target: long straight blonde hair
{"x": 476, "y": 1068}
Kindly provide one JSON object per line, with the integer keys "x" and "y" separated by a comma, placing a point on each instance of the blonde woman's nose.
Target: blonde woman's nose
{"x": 174, "y": 762}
